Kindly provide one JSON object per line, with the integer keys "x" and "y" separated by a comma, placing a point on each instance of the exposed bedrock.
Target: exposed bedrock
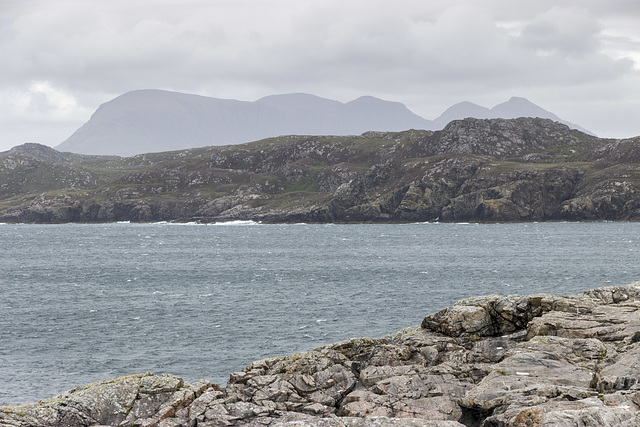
{"x": 538, "y": 360}
{"x": 497, "y": 170}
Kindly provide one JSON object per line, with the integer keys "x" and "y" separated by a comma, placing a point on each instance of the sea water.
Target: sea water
{"x": 85, "y": 302}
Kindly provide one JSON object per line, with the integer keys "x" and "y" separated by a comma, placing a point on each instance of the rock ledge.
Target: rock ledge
{"x": 539, "y": 360}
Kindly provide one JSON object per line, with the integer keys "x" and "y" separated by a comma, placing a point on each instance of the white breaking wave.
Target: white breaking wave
{"x": 237, "y": 222}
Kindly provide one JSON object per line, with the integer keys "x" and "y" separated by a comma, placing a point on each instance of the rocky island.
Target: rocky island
{"x": 537, "y": 360}
{"x": 494, "y": 170}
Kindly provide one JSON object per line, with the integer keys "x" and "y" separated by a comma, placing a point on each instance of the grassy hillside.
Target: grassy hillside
{"x": 473, "y": 170}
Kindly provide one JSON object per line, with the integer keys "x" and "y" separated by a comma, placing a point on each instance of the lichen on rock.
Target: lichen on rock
{"x": 537, "y": 360}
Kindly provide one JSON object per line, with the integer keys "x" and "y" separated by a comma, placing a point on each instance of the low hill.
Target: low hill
{"x": 473, "y": 170}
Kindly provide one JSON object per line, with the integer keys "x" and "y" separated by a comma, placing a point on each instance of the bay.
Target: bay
{"x": 85, "y": 302}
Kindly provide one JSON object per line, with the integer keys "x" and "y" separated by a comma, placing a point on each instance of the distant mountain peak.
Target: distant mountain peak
{"x": 294, "y": 97}
{"x": 368, "y": 98}
{"x": 146, "y": 121}
{"x": 153, "y": 120}
{"x": 464, "y": 104}
{"x": 462, "y": 110}
{"x": 515, "y": 107}
{"x": 517, "y": 101}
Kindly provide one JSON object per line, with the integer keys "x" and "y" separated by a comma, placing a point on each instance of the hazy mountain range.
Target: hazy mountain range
{"x": 144, "y": 121}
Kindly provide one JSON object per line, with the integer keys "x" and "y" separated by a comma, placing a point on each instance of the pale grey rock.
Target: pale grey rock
{"x": 590, "y": 412}
{"x": 488, "y": 316}
{"x": 407, "y": 393}
{"x": 608, "y": 321}
{"x": 143, "y": 399}
{"x": 621, "y": 372}
{"x": 369, "y": 422}
{"x": 539, "y": 360}
{"x": 535, "y": 372}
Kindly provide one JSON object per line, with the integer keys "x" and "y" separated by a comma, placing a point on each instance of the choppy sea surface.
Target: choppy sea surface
{"x": 85, "y": 302}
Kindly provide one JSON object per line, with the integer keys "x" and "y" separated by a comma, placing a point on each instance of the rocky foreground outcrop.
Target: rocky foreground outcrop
{"x": 538, "y": 360}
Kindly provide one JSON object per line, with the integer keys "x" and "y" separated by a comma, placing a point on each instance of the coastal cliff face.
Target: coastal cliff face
{"x": 538, "y": 360}
{"x": 473, "y": 170}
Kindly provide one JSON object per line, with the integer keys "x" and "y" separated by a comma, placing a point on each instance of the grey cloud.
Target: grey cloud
{"x": 403, "y": 50}
{"x": 563, "y": 31}
{"x": 460, "y": 43}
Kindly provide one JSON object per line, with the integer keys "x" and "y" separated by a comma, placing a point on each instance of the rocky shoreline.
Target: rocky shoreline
{"x": 497, "y": 170}
{"x": 537, "y": 360}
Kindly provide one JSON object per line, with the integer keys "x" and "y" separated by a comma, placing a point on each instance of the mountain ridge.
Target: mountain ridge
{"x": 152, "y": 120}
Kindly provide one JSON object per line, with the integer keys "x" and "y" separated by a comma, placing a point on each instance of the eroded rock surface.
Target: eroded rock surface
{"x": 143, "y": 399}
{"x": 539, "y": 360}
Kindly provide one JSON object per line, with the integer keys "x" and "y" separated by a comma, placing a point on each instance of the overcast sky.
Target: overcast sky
{"x": 59, "y": 60}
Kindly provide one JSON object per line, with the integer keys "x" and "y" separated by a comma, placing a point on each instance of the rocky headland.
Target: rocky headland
{"x": 493, "y": 170}
{"x": 537, "y": 360}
